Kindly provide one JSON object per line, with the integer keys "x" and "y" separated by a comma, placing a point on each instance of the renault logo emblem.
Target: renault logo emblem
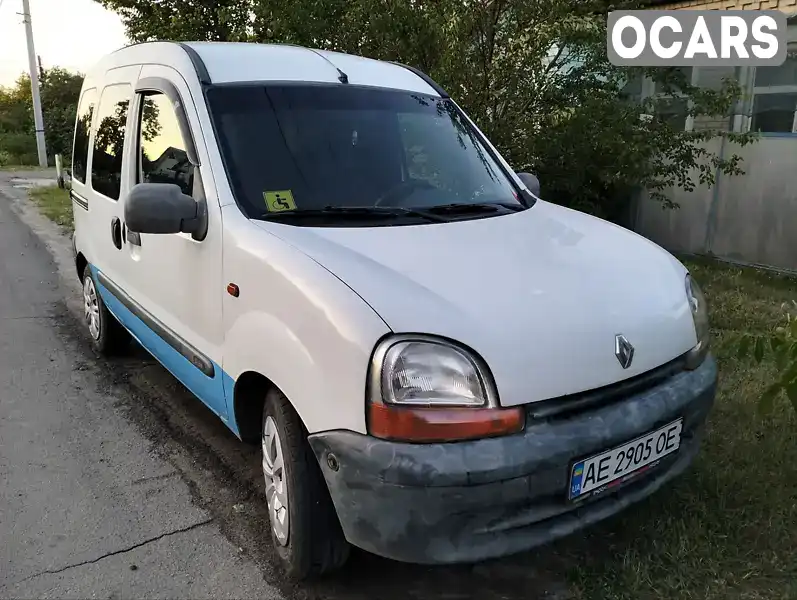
{"x": 623, "y": 350}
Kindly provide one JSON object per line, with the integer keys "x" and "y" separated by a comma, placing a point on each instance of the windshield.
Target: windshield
{"x": 346, "y": 150}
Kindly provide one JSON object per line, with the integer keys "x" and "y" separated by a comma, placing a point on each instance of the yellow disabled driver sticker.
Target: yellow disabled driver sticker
{"x": 279, "y": 201}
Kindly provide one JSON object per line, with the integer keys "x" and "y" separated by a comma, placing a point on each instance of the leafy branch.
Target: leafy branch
{"x": 780, "y": 345}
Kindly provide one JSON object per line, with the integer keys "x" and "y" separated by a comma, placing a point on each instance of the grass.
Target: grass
{"x": 728, "y": 528}
{"x": 55, "y": 204}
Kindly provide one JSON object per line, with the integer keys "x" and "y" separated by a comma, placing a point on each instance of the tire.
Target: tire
{"x": 311, "y": 543}
{"x": 108, "y": 337}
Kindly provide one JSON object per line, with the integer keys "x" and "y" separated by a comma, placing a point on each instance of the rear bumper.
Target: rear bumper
{"x": 469, "y": 501}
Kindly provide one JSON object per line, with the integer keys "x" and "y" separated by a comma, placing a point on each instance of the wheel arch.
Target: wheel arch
{"x": 248, "y": 398}
{"x": 80, "y": 265}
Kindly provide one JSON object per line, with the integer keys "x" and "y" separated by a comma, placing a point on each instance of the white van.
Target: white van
{"x": 440, "y": 366}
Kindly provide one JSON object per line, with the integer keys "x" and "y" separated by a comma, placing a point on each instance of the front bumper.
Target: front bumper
{"x": 469, "y": 501}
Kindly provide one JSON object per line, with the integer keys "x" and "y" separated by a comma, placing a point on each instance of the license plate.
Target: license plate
{"x": 603, "y": 471}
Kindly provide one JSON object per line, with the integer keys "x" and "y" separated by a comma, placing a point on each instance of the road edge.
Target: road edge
{"x": 58, "y": 244}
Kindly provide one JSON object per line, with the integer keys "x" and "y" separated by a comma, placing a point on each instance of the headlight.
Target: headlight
{"x": 697, "y": 304}
{"x": 424, "y": 389}
{"x": 421, "y": 373}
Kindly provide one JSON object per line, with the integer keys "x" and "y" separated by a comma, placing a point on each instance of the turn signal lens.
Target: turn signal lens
{"x": 410, "y": 424}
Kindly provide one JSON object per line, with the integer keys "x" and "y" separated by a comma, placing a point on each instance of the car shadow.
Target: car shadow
{"x": 225, "y": 478}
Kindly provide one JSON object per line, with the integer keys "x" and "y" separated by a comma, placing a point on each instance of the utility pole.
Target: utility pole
{"x": 34, "y": 86}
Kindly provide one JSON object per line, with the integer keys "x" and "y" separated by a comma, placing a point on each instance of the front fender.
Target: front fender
{"x": 299, "y": 326}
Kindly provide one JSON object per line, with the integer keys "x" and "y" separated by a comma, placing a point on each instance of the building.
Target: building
{"x": 783, "y": 5}
{"x": 747, "y": 218}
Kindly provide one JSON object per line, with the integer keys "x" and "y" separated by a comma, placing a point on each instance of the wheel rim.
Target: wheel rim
{"x": 91, "y": 307}
{"x": 276, "y": 481}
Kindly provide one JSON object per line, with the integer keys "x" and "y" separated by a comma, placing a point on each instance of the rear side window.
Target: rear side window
{"x": 109, "y": 140}
{"x": 162, "y": 150}
{"x": 80, "y": 146}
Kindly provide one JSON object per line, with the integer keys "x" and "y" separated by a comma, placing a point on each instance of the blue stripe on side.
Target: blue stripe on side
{"x": 213, "y": 392}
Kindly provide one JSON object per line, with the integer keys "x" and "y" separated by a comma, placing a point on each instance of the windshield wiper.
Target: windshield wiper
{"x": 480, "y": 207}
{"x": 365, "y": 212}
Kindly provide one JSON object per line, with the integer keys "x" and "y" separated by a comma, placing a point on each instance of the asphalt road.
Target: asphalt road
{"x": 88, "y": 508}
{"x": 116, "y": 483}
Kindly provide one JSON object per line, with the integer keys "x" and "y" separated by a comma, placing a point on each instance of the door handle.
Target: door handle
{"x": 116, "y": 232}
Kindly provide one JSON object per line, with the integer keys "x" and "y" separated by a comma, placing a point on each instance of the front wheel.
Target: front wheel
{"x": 108, "y": 337}
{"x": 304, "y": 525}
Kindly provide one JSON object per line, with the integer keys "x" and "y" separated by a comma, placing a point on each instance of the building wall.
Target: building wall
{"x": 749, "y": 218}
{"x": 784, "y": 5}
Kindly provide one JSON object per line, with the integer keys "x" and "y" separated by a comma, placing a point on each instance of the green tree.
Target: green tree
{"x": 60, "y": 90}
{"x": 533, "y": 74}
{"x": 208, "y": 20}
{"x": 17, "y": 142}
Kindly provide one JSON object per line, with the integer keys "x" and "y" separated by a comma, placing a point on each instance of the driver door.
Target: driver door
{"x": 177, "y": 279}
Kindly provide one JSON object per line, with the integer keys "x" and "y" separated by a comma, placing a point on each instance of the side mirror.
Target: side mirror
{"x": 531, "y": 182}
{"x": 163, "y": 208}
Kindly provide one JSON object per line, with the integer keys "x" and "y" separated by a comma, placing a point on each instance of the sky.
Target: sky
{"x": 73, "y": 34}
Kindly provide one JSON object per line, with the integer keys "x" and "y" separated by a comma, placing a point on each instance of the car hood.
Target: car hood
{"x": 540, "y": 295}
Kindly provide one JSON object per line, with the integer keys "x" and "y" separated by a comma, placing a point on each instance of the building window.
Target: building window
{"x": 80, "y": 146}
{"x": 632, "y": 90}
{"x": 162, "y": 150}
{"x": 672, "y": 106}
{"x": 673, "y": 110}
{"x": 109, "y": 140}
{"x": 775, "y": 97}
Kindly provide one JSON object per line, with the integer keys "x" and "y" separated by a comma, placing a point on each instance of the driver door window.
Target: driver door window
{"x": 162, "y": 156}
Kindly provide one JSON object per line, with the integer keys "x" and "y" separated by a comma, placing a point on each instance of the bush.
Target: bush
{"x": 19, "y": 147}
{"x": 781, "y": 346}
{"x": 60, "y": 90}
